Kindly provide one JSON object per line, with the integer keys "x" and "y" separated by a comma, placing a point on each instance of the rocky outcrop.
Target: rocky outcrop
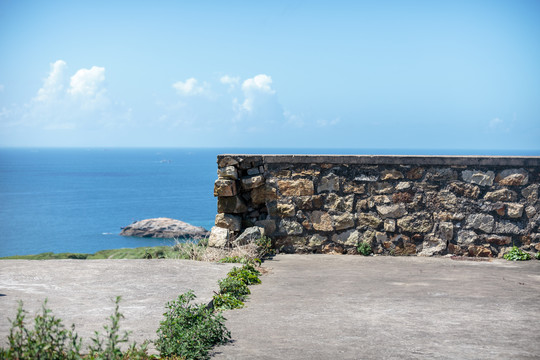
{"x": 164, "y": 228}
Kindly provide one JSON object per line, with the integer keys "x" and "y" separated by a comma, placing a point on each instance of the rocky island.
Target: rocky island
{"x": 164, "y": 228}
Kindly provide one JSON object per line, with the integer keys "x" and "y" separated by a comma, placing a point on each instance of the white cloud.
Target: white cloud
{"x": 63, "y": 102}
{"x": 189, "y": 87}
{"x": 229, "y": 80}
{"x": 1, "y": 88}
{"x": 87, "y": 90}
{"x": 87, "y": 82}
{"x": 257, "y": 92}
{"x": 53, "y": 85}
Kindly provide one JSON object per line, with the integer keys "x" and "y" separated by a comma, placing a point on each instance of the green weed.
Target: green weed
{"x": 190, "y": 330}
{"x": 516, "y": 254}
{"x": 364, "y": 248}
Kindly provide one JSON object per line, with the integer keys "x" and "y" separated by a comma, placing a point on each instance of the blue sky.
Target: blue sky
{"x": 340, "y": 74}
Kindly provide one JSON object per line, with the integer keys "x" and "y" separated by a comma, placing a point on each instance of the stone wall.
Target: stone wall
{"x": 401, "y": 205}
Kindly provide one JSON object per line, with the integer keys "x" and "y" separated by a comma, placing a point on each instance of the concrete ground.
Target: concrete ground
{"x": 308, "y": 306}
{"x": 354, "y": 307}
{"x": 83, "y": 291}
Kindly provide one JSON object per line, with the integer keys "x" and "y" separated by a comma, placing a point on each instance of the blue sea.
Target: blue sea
{"x": 77, "y": 200}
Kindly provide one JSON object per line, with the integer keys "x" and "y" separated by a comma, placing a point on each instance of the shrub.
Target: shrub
{"x": 247, "y": 274}
{"x": 364, "y": 248}
{"x": 234, "y": 287}
{"x": 48, "y": 340}
{"x": 264, "y": 247}
{"x": 537, "y": 255}
{"x": 516, "y": 254}
{"x": 226, "y": 302}
{"x": 189, "y": 330}
{"x": 109, "y": 346}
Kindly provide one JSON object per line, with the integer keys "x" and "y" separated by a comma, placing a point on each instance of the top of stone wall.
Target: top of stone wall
{"x": 469, "y": 160}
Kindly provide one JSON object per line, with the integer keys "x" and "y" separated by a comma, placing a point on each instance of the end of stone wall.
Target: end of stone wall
{"x": 400, "y": 205}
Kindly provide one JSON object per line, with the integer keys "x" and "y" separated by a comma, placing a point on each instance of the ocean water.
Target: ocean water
{"x": 77, "y": 200}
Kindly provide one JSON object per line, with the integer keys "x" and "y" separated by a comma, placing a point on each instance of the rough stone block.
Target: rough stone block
{"x": 506, "y": 227}
{"x": 467, "y": 190}
{"x": 336, "y": 203}
{"x": 227, "y": 161}
{"x": 321, "y": 221}
{"x": 347, "y": 238}
{"x": 530, "y": 193}
{"x": 285, "y": 209}
{"x": 530, "y": 211}
{"x": 370, "y": 220}
{"x": 343, "y": 221}
{"x": 403, "y": 186}
{"x": 290, "y": 227}
{"x": 379, "y": 188}
{"x": 415, "y": 173}
{"x": 512, "y": 177}
{"x": 329, "y": 183}
{"x": 391, "y": 175}
{"x": 231, "y": 205}
{"x": 433, "y": 245}
{"x": 353, "y": 187}
{"x": 228, "y": 172}
{"x": 466, "y": 238}
{"x": 218, "y": 237}
{"x": 390, "y": 225}
{"x": 514, "y": 210}
{"x": 501, "y": 195}
{"x": 263, "y": 194}
{"x": 228, "y": 221}
{"x": 479, "y": 251}
{"x": 249, "y": 235}
{"x": 253, "y": 171}
{"x": 225, "y": 187}
{"x": 441, "y": 174}
{"x": 483, "y": 222}
{"x": 298, "y": 187}
{"x": 478, "y": 177}
{"x": 316, "y": 240}
{"x": 447, "y": 200}
{"x": 417, "y": 223}
{"x": 496, "y": 239}
{"x": 252, "y": 182}
{"x": 392, "y": 211}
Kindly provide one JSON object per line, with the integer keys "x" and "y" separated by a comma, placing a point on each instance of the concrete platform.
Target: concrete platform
{"x": 354, "y": 307}
{"x": 83, "y": 291}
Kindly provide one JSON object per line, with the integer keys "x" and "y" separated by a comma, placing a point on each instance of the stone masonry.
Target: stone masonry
{"x": 401, "y": 205}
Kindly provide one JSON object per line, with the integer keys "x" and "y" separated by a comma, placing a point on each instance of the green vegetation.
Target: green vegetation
{"x": 516, "y": 254}
{"x": 364, "y": 248}
{"x": 247, "y": 274}
{"x": 240, "y": 260}
{"x": 186, "y": 250}
{"x": 50, "y": 340}
{"x": 190, "y": 331}
{"x": 537, "y": 256}
{"x": 264, "y": 247}
{"x": 233, "y": 290}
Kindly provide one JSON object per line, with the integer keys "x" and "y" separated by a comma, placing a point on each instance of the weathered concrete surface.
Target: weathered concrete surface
{"x": 83, "y": 291}
{"x": 354, "y": 307}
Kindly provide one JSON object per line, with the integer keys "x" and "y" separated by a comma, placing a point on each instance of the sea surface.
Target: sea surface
{"x": 77, "y": 200}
